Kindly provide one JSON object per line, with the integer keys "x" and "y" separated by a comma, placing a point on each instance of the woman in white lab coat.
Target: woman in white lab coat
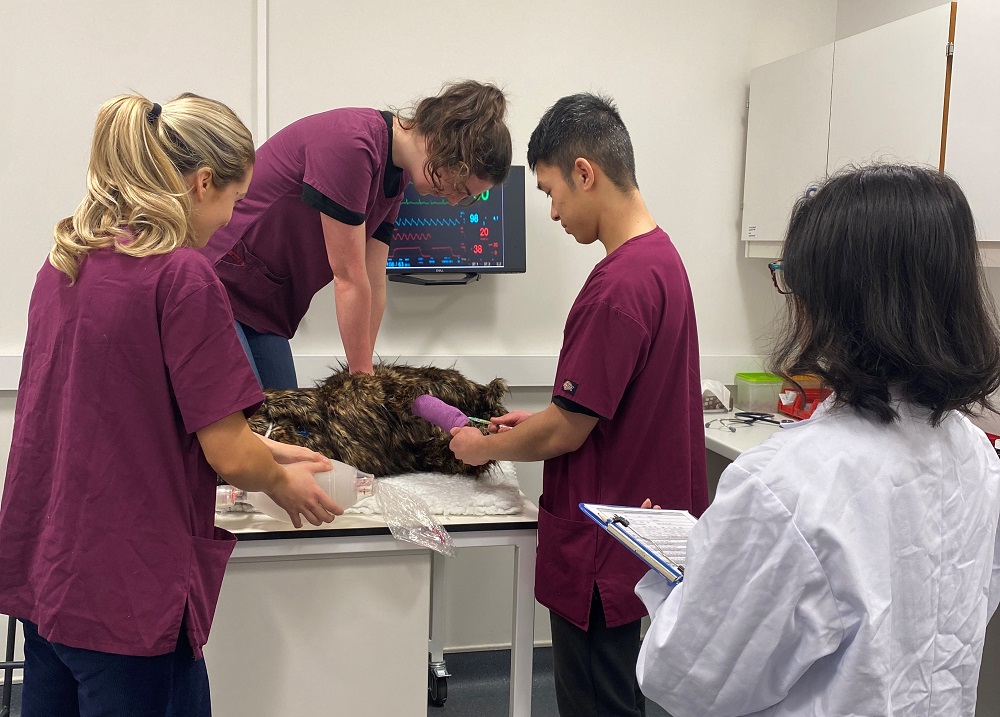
{"x": 849, "y": 564}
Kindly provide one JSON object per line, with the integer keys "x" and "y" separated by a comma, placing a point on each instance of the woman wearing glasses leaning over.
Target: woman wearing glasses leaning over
{"x": 322, "y": 205}
{"x": 849, "y": 565}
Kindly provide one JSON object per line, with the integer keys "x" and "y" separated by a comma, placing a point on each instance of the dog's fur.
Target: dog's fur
{"x": 365, "y": 420}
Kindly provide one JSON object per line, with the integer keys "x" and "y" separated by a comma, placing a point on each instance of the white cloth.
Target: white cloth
{"x": 844, "y": 568}
{"x": 495, "y": 493}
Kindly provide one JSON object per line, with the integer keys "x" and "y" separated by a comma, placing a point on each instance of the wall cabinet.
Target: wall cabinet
{"x": 875, "y": 96}
{"x": 787, "y": 141}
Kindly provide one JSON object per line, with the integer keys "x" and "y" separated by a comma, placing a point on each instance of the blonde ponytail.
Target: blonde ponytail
{"x": 137, "y": 195}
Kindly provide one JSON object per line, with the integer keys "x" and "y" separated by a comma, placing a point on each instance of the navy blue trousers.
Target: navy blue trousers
{"x": 270, "y": 358}
{"x": 71, "y": 682}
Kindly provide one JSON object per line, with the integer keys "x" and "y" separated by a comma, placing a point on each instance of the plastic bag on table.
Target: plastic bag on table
{"x": 409, "y": 519}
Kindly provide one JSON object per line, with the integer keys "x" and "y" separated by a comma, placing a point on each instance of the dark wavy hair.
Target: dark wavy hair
{"x": 589, "y": 126}
{"x": 465, "y": 131}
{"x": 888, "y": 295}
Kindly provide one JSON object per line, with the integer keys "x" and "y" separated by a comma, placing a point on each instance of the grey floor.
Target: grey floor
{"x": 480, "y": 682}
{"x": 15, "y": 702}
{"x": 15, "y": 705}
{"x": 478, "y": 686}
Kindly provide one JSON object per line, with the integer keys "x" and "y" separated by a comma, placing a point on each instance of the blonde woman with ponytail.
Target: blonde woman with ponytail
{"x": 133, "y": 396}
{"x": 322, "y": 208}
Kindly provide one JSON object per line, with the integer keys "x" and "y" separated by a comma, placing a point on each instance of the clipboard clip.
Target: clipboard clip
{"x": 619, "y": 520}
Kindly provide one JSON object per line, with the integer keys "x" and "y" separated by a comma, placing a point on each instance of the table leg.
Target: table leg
{"x": 523, "y": 629}
{"x": 437, "y": 671}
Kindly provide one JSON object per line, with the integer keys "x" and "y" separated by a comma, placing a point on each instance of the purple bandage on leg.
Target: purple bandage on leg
{"x": 438, "y": 412}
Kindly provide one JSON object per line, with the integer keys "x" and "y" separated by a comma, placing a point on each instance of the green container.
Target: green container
{"x": 757, "y": 392}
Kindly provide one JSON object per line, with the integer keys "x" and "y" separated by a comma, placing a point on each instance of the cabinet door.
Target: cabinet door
{"x": 974, "y": 118}
{"x": 787, "y": 129}
{"x": 888, "y": 92}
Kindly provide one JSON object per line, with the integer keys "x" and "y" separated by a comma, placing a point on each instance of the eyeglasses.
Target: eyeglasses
{"x": 469, "y": 199}
{"x": 778, "y": 277}
{"x": 446, "y": 186}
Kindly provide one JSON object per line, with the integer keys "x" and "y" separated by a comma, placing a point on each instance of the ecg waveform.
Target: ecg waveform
{"x": 449, "y": 236}
{"x": 428, "y": 221}
{"x": 421, "y": 201}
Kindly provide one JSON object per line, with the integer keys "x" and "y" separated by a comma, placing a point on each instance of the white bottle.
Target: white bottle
{"x": 345, "y": 484}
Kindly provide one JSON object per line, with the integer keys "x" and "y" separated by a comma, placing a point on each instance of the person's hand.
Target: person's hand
{"x": 507, "y": 421}
{"x": 649, "y": 504}
{"x": 469, "y": 446}
{"x": 285, "y": 453}
{"x": 299, "y": 494}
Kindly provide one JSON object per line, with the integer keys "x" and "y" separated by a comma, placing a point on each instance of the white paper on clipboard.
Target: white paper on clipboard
{"x": 657, "y": 537}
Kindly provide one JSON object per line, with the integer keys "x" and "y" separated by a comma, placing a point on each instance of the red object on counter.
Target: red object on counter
{"x": 800, "y": 409}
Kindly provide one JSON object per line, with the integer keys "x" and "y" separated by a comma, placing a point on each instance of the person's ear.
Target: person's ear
{"x": 200, "y": 181}
{"x": 585, "y": 171}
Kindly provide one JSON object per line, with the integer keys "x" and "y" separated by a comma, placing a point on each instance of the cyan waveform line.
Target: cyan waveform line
{"x": 423, "y": 222}
{"x": 423, "y": 201}
{"x": 441, "y": 254}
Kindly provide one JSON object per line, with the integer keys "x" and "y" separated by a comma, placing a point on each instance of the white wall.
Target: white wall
{"x": 854, "y": 16}
{"x": 59, "y": 62}
{"x": 679, "y": 71}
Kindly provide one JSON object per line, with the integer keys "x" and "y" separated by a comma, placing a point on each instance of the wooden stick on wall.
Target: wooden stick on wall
{"x": 947, "y": 85}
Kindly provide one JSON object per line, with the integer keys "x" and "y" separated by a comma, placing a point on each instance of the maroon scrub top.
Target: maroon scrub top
{"x": 630, "y": 356}
{"x": 107, "y": 535}
{"x": 272, "y": 256}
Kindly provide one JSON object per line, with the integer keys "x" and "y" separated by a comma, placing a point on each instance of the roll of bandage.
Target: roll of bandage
{"x": 438, "y": 412}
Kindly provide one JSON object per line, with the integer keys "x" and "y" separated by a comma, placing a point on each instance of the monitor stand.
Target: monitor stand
{"x": 435, "y": 279}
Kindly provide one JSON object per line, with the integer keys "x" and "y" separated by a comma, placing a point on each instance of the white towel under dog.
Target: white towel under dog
{"x": 495, "y": 493}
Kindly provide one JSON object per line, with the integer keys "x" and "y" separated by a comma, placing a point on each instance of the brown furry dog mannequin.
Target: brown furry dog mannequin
{"x": 365, "y": 420}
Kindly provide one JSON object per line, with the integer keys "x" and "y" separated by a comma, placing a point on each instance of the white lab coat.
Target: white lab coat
{"x": 844, "y": 568}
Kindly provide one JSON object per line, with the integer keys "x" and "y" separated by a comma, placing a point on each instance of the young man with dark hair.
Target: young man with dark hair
{"x": 625, "y": 422}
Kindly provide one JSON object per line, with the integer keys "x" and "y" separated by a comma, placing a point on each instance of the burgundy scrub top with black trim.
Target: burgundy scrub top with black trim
{"x": 272, "y": 256}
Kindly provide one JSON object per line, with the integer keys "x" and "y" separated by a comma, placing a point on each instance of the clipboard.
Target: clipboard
{"x": 657, "y": 537}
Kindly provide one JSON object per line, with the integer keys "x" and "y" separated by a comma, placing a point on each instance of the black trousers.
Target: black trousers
{"x": 595, "y": 669}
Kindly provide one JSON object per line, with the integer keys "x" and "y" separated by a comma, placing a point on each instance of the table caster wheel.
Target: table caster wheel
{"x": 437, "y": 689}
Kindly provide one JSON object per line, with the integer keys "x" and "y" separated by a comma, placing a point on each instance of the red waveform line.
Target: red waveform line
{"x": 412, "y": 236}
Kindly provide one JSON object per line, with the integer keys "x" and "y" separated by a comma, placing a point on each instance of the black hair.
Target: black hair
{"x": 888, "y": 295}
{"x": 589, "y": 126}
